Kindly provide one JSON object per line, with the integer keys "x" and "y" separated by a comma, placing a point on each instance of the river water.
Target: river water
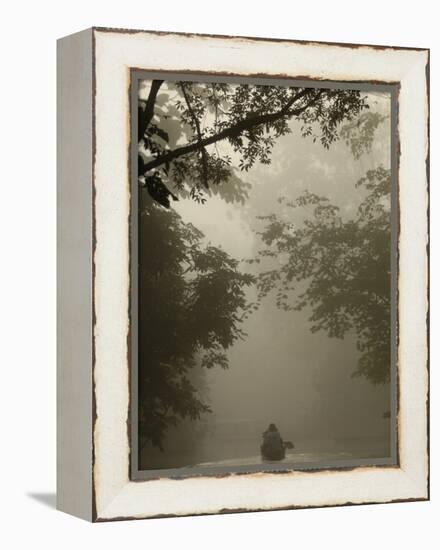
{"x": 229, "y": 450}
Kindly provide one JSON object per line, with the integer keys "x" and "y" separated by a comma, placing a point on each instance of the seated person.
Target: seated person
{"x": 273, "y": 447}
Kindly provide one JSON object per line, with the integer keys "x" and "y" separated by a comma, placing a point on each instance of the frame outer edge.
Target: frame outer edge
{"x": 418, "y": 498}
{"x": 74, "y": 274}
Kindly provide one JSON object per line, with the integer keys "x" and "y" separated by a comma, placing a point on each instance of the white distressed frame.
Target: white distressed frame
{"x": 115, "y": 53}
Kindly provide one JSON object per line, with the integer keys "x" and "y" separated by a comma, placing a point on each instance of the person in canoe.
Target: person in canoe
{"x": 273, "y": 446}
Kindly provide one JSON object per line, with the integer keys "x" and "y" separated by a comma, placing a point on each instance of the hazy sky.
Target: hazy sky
{"x": 282, "y": 372}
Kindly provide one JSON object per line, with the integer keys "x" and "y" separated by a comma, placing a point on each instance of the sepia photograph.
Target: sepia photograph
{"x": 264, "y": 269}
{"x": 219, "y": 278}
{"x": 243, "y": 282}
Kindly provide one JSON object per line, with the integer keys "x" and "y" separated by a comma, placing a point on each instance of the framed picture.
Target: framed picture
{"x": 242, "y": 275}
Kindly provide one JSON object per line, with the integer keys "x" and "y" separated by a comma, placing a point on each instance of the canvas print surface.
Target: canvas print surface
{"x": 265, "y": 295}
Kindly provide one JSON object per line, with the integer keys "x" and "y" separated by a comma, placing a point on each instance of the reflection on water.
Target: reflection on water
{"x": 292, "y": 457}
{"x": 239, "y": 445}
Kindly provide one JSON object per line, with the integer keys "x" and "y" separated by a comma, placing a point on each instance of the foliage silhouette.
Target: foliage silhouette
{"x": 248, "y": 118}
{"x": 339, "y": 268}
{"x": 192, "y": 303}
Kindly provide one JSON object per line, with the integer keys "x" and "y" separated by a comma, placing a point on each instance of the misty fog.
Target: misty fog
{"x": 281, "y": 372}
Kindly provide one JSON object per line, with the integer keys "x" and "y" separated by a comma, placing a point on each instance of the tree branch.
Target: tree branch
{"x": 234, "y": 131}
{"x": 199, "y": 136}
{"x": 146, "y": 114}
